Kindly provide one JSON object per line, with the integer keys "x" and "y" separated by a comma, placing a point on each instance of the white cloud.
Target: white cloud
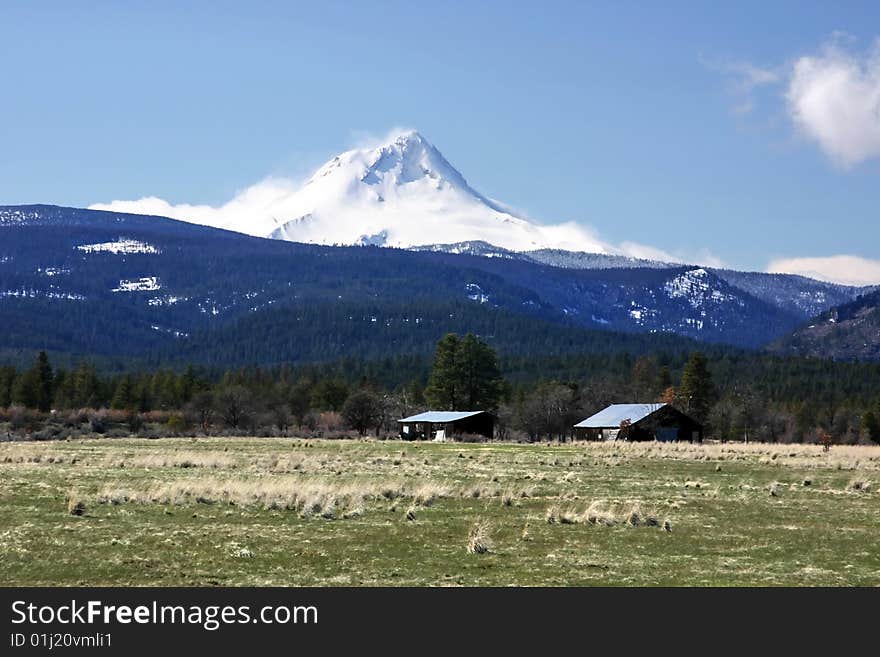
{"x": 834, "y": 99}
{"x": 744, "y": 79}
{"x": 751, "y": 77}
{"x": 635, "y": 250}
{"x": 831, "y": 96}
{"x": 706, "y": 257}
{"x": 250, "y": 211}
{"x": 844, "y": 269}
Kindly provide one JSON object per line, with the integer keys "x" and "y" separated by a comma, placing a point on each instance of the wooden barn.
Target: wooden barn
{"x": 447, "y": 425}
{"x": 640, "y": 422}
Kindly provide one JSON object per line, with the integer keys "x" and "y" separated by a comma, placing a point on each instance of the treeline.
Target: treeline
{"x": 737, "y": 396}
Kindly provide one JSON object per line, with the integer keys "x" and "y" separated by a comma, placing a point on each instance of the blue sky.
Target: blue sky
{"x": 722, "y": 133}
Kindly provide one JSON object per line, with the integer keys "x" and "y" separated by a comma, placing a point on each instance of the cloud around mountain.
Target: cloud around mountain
{"x": 844, "y": 269}
{"x": 401, "y": 192}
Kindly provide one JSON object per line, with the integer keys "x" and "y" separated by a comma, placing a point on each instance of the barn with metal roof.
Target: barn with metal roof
{"x": 447, "y": 425}
{"x": 640, "y": 422}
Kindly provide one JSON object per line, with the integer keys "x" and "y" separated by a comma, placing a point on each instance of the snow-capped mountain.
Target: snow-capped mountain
{"x": 403, "y": 193}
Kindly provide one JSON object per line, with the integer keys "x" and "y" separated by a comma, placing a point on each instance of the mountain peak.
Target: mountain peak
{"x": 409, "y": 136}
{"x": 400, "y": 193}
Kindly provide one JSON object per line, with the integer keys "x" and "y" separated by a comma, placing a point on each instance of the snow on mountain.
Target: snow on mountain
{"x": 696, "y": 286}
{"x": 121, "y": 245}
{"x": 552, "y": 257}
{"x": 142, "y": 284}
{"x": 403, "y": 193}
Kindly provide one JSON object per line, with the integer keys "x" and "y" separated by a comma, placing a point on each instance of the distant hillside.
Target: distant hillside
{"x": 150, "y": 288}
{"x": 847, "y": 332}
{"x": 117, "y": 286}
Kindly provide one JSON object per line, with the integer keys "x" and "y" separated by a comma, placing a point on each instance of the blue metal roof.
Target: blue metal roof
{"x": 440, "y": 417}
{"x": 611, "y": 417}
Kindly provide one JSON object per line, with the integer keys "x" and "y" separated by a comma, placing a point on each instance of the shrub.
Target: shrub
{"x": 76, "y": 506}
{"x": 176, "y": 423}
{"x": 479, "y": 541}
{"x": 859, "y": 486}
{"x": 98, "y": 422}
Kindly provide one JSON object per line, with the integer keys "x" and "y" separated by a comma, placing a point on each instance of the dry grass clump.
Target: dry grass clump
{"x": 329, "y": 498}
{"x": 568, "y": 517}
{"x": 179, "y": 459}
{"x": 859, "y": 485}
{"x": 479, "y": 541}
{"x": 426, "y": 493}
{"x": 801, "y": 455}
{"x": 508, "y": 497}
{"x": 31, "y": 454}
{"x": 637, "y": 517}
{"x": 76, "y": 505}
{"x": 598, "y": 514}
{"x": 310, "y": 497}
{"x": 286, "y": 463}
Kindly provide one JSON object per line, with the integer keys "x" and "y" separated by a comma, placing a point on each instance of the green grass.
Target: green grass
{"x": 260, "y": 519}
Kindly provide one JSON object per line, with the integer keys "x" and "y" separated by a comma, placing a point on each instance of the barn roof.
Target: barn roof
{"x": 440, "y": 416}
{"x": 612, "y": 416}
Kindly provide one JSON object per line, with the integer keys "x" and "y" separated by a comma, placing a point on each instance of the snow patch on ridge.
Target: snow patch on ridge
{"x": 143, "y": 284}
{"x": 121, "y": 245}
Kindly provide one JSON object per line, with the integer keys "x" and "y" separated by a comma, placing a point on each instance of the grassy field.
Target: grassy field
{"x": 311, "y": 512}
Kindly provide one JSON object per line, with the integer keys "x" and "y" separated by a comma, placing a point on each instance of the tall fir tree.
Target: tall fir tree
{"x": 35, "y": 388}
{"x": 443, "y": 393}
{"x": 465, "y": 375}
{"x": 480, "y": 375}
{"x": 697, "y": 392}
{"x": 7, "y": 382}
{"x": 123, "y": 396}
{"x": 45, "y": 382}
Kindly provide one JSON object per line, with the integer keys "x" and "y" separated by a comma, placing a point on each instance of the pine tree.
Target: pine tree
{"x": 186, "y": 385}
{"x": 300, "y": 401}
{"x": 465, "y": 375}
{"x": 871, "y": 426}
{"x": 697, "y": 392}
{"x": 34, "y": 388}
{"x": 7, "y": 382}
{"x": 664, "y": 380}
{"x": 86, "y": 387}
{"x": 45, "y": 381}
{"x": 123, "y": 396}
{"x": 330, "y": 394}
{"x": 443, "y": 391}
{"x": 480, "y": 374}
{"x": 645, "y": 378}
